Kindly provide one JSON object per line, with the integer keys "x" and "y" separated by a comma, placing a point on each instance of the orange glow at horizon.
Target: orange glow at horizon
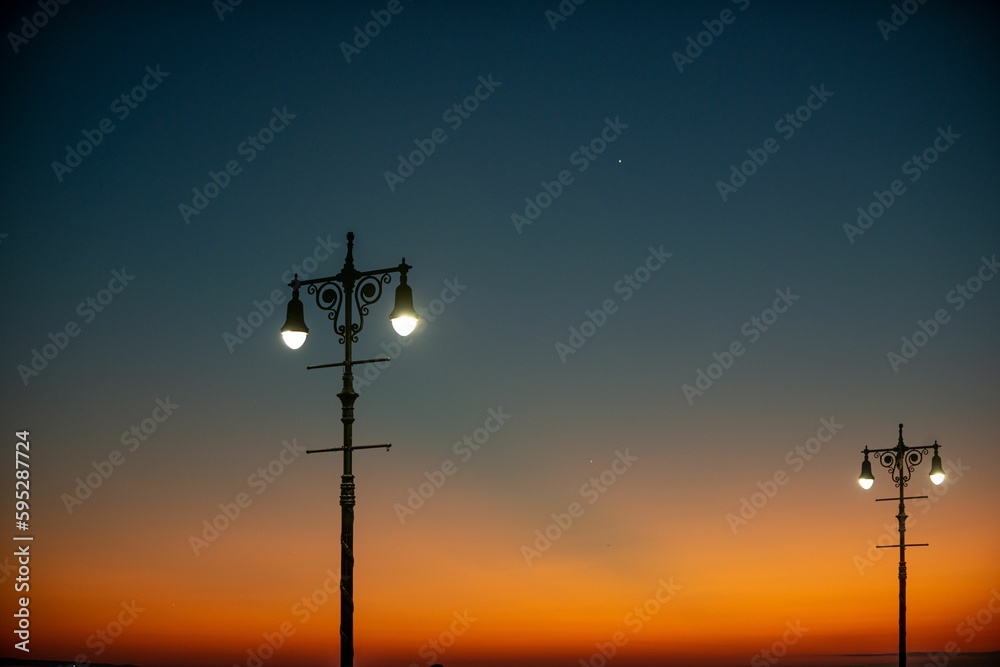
{"x": 693, "y": 588}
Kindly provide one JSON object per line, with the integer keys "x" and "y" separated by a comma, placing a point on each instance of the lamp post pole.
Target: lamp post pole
{"x": 901, "y": 518}
{"x": 900, "y": 462}
{"x": 340, "y": 294}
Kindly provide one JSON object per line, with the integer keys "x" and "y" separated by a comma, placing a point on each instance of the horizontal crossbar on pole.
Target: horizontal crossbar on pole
{"x": 387, "y": 446}
{"x": 893, "y": 546}
{"x": 878, "y": 500}
{"x": 344, "y": 363}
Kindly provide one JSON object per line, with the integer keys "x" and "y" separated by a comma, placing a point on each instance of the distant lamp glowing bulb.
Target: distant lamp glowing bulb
{"x": 866, "y": 479}
{"x": 937, "y": 471}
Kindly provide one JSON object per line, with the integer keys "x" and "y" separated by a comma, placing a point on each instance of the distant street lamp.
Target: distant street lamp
{"x": 900, "y": 462}
{"x": 342, "y": 294}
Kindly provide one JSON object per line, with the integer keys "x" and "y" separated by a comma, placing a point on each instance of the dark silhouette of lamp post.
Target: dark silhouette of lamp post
{"x": 343, "y": 294}
{"x": 900, "y": 462}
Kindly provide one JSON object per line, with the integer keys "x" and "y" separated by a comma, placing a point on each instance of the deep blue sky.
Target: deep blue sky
{"x": 655, "y": 185}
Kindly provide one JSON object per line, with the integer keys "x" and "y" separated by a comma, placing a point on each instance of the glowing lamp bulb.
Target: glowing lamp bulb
{"x": 294, "y": 339}
{"x": 405, "y": 325}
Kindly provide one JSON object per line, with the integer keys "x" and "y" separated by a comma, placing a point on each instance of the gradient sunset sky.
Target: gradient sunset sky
{"x": 680, "y": 263}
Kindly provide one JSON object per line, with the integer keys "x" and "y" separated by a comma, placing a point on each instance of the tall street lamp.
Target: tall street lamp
{"x": 343, "y": 294}
{"x": 900, "y": 462}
